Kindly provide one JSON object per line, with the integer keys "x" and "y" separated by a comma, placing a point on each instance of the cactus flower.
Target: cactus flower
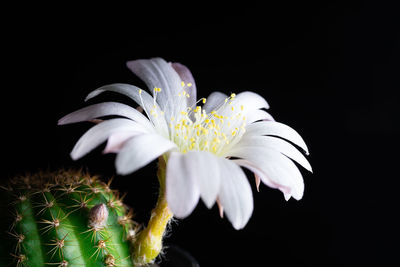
{"x": 204, "y": 143}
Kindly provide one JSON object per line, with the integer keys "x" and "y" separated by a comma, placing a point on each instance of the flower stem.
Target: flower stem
{"x": 149, "y": 242}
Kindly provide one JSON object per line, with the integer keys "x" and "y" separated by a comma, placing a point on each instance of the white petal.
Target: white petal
{"x": 141, "y": 97}
{"x": 117, "y": 140}
{"x": 278, "y": 168}
{"x": 181, "y": 187}
{"x": 106, "y": 109}
{"x": 261, "y": 176}
{"x": 245, "y": 102}
{"x": 203, "y": 166}
{"x": 214, "y": 101}
{"x": 187, "y": 77}
{"x": 140, "y": 151}
{"x": 277, "y": 129}
{"x": 100, "y": 132}
{"x": 156, "y": 72}
{"x": 235, "y": 196}
{"x": 258, "y": 115}
{"x": 280, "y": 145}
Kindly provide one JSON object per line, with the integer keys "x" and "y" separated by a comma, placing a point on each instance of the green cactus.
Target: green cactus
{"x": 64, "y": 218}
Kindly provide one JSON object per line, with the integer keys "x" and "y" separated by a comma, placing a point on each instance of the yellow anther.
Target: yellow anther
{"x": 233, "y": 133}
{"x": 140, "y": 91}
{"x": 232, "y": 108}
{"x": 233, "y": 95}
{"x": 216, "y": 140}
{"x": 185, "y": 137}
{"x": 241, "y": 107}
{"x": 204, "y": 100}
{"x": 172, "y": 118}
{"x": 183, "y": 83}
{"x": 184, "y": 113}
{"x": 157, "y": 89}
{"x": 189, "y": 84}
{"x": 213, "y": 112}
{"x": 192, "y": 139}
{"x": 226, "y": 100}
{"x": 187, "y": 95}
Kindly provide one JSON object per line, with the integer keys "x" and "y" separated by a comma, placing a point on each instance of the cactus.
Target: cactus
{"x": 64, "y": 218}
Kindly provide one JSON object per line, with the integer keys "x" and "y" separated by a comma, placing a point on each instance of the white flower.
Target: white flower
{"x": 204, "y": 145}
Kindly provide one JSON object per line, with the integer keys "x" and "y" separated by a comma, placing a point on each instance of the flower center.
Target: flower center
{"x": 214, "y": 132}
{"x": 195, "y": 129}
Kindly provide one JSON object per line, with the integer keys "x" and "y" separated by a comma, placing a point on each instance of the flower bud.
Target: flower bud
{"x": 98, "y": 216}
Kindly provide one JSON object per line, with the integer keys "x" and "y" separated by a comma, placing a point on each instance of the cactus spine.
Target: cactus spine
{"x": 64, "y": 218}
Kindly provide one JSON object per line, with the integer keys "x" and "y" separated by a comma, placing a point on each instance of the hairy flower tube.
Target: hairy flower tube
{"x": 202, "y": 144}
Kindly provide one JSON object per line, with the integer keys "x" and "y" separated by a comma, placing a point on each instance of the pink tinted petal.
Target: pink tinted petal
{"x": 116, "y": 141}
{"x": 187, "y": 77}
{"x": 220, "y": 208}
{"x": 258, "y": 182}
{"x": 279, "y": 169}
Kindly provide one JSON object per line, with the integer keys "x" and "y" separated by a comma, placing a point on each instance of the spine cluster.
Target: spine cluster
{"x": 64, "y": 218}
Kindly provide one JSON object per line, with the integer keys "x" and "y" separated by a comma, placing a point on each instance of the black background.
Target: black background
{"x": 329, "y": 69}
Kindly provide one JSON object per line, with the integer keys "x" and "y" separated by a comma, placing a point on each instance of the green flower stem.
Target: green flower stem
{"x": 149, "y": 242}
